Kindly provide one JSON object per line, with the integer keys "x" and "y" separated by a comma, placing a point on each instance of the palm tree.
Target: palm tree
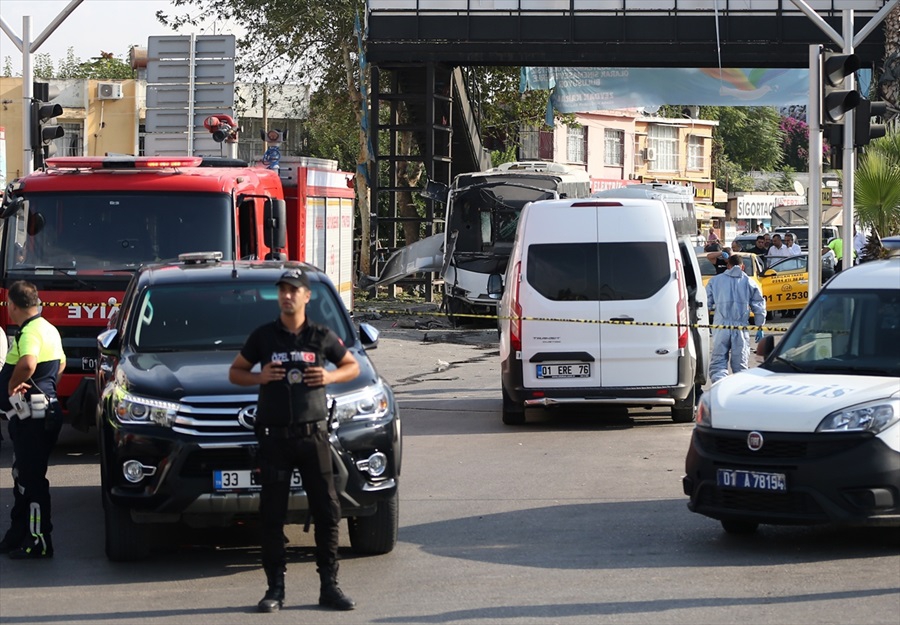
{"x": 877, "y": 186}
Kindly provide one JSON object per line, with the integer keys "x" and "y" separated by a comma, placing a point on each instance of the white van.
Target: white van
{"x": 600, "y": 307}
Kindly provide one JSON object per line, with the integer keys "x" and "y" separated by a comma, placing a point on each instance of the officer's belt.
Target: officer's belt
{"x": 294, "y": 430}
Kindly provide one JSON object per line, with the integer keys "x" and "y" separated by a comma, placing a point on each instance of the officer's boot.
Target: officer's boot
{"x": 274, "y": 598}
{"x": 330, "y": 595}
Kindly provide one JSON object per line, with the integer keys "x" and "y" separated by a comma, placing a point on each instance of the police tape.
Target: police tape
{"x": 412, "y": 313}
{"x": 621, "y": 322}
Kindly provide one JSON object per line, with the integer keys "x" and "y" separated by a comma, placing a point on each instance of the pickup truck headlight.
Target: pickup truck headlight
{"x": 132, "y": 409}
{"x": 368, "y": 404}
{"x": 873, "y": 416}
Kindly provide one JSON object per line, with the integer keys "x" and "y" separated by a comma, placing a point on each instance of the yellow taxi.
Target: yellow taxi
{"x": 785, "y": 283}
{"x": 753, "y": 267}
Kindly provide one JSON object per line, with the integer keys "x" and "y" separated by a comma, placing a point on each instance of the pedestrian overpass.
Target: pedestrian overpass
{"x": 418, "y": 51}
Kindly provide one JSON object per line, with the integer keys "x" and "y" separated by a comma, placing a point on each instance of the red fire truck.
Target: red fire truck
{"x": 79, "y": 228}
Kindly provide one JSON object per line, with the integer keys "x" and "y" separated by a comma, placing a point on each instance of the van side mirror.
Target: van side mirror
{"x": 275, "y": 224}
{"x": 495, "y": 286}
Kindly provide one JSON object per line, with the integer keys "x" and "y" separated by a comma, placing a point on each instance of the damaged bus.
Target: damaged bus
{"x": 482, "y": 214}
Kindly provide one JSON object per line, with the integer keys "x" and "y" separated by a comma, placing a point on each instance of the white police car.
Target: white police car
{"x": 812, "y": 435}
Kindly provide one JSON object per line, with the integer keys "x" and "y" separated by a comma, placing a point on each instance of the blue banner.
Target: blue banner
{"x": 583, "y": 89}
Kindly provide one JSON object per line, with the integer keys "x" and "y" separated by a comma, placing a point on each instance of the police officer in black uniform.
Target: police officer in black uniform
{"x": 291, "y": 427}
{"x": 28, "y": 395}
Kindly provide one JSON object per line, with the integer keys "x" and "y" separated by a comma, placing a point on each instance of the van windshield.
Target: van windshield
{"x": 598, "y": 271}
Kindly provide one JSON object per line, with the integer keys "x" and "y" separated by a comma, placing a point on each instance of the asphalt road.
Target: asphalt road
{"x": 573, "y": 518}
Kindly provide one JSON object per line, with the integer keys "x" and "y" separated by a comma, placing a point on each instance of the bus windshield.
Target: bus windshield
{"x": 116, "y": 230}
{"x": 485, "y": 212}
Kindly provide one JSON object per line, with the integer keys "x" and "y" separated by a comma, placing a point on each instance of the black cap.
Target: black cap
{"x": 294, "y": 277}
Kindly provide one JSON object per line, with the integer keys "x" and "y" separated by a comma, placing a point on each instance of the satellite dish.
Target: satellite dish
{"x": 798, "y": 188}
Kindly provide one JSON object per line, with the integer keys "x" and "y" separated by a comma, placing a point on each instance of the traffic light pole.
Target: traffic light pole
{"x": 814, "y": 199}
{"x": 814, "y": 117}
{"x": 28, "y": 47}
{"x": 847, "y": 217}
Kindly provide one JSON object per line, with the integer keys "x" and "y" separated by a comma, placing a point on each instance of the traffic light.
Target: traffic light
{"x": 835, "y": 100}
{"x": 43, "y": 133}
{"x": 864, "y": 129}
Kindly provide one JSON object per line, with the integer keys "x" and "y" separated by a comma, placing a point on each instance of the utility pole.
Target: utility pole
{"x": 28, "y": 48}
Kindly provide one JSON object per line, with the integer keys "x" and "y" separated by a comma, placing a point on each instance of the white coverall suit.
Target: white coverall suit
{"x": 733, "y": 294}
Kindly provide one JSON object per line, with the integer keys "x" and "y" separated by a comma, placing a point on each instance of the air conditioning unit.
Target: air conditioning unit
{"x": 109, "y": 91}
{"x": 650, "y": 154}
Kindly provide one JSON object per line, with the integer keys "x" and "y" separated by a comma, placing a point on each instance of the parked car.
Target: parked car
{"x": 753, "y": 267}
{"x": 600, "y": 307}
{"x": 746, "y": 241}
{"x": 176, "y": 437}
{"x": 812, "y": 435}
{"x": 801, "y": 234}
{"x": 785, "y": 283}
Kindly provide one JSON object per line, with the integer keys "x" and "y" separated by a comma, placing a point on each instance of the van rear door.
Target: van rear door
{"x": 638, "y": 304}
{"x": 560, "y": 309}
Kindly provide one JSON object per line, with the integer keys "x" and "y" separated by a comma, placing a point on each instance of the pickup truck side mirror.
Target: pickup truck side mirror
{"x": 109, "y": 343}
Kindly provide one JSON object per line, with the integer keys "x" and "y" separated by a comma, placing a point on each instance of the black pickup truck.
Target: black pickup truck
{"x": 176, "y": 438}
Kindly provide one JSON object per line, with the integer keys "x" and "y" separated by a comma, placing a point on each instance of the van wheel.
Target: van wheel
{"x": 770, "y": 315}
{"x": 683, "y": 411}
{"x": 739, "y": 527}
{"x": 513, "y": 414}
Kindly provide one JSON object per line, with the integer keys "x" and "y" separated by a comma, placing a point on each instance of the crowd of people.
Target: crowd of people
{"x": 774, "y": 245}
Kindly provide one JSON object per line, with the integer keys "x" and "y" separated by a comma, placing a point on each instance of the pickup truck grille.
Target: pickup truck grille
{"x": 217, "y": 415}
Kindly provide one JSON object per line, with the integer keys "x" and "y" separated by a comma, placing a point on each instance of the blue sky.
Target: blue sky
{"x": 94, "y": 26}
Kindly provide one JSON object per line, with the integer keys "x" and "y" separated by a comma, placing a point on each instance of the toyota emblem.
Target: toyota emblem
{"x": 247, "y": 417}
{"x": 754, "y": 441}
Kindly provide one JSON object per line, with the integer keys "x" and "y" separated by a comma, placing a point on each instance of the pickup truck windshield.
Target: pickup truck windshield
{"x": 106, "y": 230}
{"x": 220, "y": 316}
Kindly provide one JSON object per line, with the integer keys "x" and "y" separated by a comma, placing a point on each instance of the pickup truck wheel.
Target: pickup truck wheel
{"x": 683, "y": 411}
{"x": 739, "y": 527}
{"x": 126, "y": 541}
{"x": 513, "y": 414}
{"x": 376, "y": 534}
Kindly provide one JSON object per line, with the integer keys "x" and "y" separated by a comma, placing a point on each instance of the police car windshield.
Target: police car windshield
{"x": 220, "y": 316}
{"x": 852, "y": 332}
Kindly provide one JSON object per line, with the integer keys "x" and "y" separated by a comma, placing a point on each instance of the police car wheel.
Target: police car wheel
{"x": 739, "y": 527}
